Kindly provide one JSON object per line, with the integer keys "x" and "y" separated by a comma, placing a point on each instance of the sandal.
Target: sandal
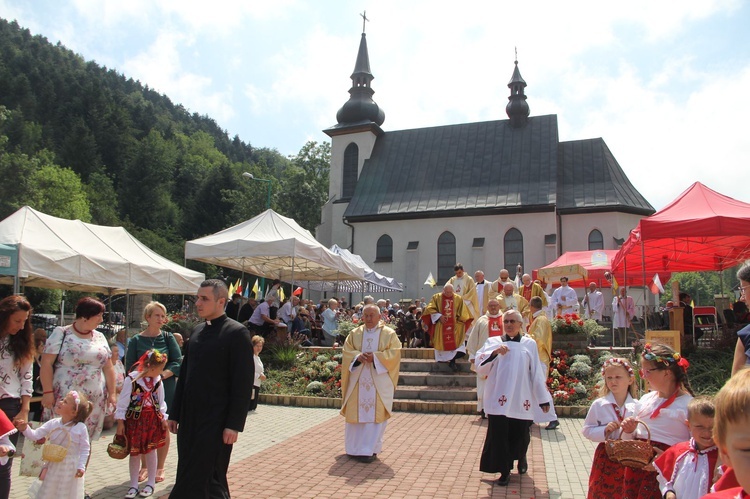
{"x": 132, "y": 493}
{"x": 147, "y": 491}
{"x": 159, "y": 475}
{"x": 142, "y": 475}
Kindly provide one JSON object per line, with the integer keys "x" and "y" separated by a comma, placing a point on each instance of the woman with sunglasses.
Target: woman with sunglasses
{"x": 663, "y": 409}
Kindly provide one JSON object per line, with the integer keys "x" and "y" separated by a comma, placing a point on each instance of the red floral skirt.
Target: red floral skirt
{"x": 641, "y": 484}
{"x": 606, "y": 477}
{"x": 145, "y": 433}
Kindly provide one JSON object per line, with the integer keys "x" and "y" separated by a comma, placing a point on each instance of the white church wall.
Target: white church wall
{"x": 364, "y": 140}
{"x": 411, "y": 267}
{"x": 575, "y": 229}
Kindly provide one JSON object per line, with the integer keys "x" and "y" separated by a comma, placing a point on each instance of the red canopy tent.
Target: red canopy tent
{"x": 700, "y": 230}
{"x": 583, "y": 267}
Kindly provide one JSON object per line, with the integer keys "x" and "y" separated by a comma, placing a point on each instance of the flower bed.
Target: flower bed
{"x": 570, "y": 324}
{"x": 313, "y": 372}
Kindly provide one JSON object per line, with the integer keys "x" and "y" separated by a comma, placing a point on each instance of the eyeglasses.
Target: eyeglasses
{"x": 643, "y": 372}
{"x": 743, "y": 289}
{"x": 510, "y": 321}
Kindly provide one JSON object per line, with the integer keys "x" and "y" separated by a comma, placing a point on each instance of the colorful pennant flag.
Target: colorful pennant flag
{"x": 297, "y": 292}
{"x": 655, "y": 285}
{"x": 256, "y": 289}
{"x": 281, "y": 294}
{"x": 231, "y": 289}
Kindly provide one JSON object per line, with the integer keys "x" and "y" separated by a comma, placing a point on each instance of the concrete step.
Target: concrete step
{"x": 436, "y": 393}
{"x": 438, "y": 379}
{"x": 418, "y": 353}
{"x": 451, "y": 407}
{"x": 429, "y": 365}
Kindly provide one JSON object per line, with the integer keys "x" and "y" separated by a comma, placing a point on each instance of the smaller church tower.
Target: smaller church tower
{"x": 352, "y": 141}
{"x": 517, "y": 108}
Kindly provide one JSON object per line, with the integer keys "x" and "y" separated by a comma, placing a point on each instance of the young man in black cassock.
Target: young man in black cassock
{"x": 212, "y": 397}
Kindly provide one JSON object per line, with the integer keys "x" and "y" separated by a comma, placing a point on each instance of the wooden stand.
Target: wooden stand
{"x": 677, "y": 322}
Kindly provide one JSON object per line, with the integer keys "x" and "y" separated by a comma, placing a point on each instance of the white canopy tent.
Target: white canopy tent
{"x": 373, "y": 282}
{"x": 273, "y": 246}
{"x": 73, "y": 255}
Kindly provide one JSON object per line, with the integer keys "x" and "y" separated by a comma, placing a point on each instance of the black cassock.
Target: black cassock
{"x": 213, "y": 392}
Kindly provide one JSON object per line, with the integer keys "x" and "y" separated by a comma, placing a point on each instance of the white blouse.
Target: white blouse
{"x": 79, "y": 437}
{"x": 669, "y": 426}
{"x": 123, "y": 400}
{"x": 601, "y": 413}
{"x": 15, "y": 381}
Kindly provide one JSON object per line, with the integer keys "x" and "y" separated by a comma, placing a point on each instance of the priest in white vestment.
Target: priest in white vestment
{"x": 564, "y": 299}
{"x": 593, "y": 303}
{"x": 515, "y": 395}
{"x": 465, "y": 286}
{"x": 487, "y": 326}
{"x": 372, "y": 355}
{"x": 484, "y": 290}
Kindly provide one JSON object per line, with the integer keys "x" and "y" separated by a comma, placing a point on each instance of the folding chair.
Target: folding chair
{"x": 705, "y": 320}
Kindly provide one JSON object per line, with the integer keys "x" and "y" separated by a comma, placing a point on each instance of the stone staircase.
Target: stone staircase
{"x": 428, "y": 386}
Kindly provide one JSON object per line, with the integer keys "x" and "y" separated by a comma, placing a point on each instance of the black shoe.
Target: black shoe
{"x": 552, "y": 425}
{"x": 484, "y": 416}
{"x": 523, "y": 466}
{"x": 453, "y": 366}
{"x": 504, "y": 480}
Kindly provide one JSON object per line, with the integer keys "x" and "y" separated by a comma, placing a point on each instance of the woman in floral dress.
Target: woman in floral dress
{"x": 76, "y": 357}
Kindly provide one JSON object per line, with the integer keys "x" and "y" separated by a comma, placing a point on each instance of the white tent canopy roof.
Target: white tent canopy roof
{"x": 70, "y": 254}
{"x": 272, "y": 246}
{"x": 373, "y": 282}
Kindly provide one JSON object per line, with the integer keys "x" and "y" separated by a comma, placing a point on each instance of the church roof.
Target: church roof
{"x": 589, "y": 178}
{"x": 459, "y": 170}
{"x": 489, "y": 168}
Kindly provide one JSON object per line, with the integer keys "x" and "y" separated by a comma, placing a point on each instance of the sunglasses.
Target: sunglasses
{"x": 510, "y": 321}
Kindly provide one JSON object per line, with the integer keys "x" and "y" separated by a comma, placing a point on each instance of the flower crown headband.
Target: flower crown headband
{"x": 76, "y": 397}
{"x": 616, "y": 361}
{"x": 666, "y": 360}
{"x": 157, "y": 355}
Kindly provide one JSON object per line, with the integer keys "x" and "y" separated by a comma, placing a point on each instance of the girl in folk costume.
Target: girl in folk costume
{"x": 141, "y": 416}
{"x": 663, "y": 409}
{"x": 63, "y": 479}
{"x": 604, "y": 417}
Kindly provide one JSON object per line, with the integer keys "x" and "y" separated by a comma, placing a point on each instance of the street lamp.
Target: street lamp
{"x": 251, "y": 177}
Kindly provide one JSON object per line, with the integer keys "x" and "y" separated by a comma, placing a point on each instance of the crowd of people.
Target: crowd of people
{"x": 153, "y": 384}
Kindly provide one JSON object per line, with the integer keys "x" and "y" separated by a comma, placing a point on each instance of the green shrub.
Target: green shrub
{"x": 315, "y": 387}
{"x": 283, "y": 356}
{"x": 709, "y": 370}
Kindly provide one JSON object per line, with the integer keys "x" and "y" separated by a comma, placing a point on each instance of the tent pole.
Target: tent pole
{"x": 645, "y": 297}
{"x": 292, "y": 293}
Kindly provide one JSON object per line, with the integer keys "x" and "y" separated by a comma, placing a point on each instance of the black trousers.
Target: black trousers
{"x": 507, "y": 440}
{"x": 203, "y": 460}
{"x": 11, "y": 407}
{"x": 254, "y": 399}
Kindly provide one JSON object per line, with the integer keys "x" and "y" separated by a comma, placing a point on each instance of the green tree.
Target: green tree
{"x": 58, "y": 192}
{"x": 305, "y": 184}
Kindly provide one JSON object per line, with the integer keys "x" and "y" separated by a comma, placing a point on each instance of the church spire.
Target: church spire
{"x": 360, "y": 106}
{"x": 517, "y": 107}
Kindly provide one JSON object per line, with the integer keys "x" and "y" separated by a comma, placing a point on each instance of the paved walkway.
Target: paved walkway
{"x": 298, "y": 452}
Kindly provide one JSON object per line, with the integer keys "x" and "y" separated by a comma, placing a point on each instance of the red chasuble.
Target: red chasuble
{"x": 495, "y": 326}
{"x": 526, "y": 292}
{"x": 449, "y": 326}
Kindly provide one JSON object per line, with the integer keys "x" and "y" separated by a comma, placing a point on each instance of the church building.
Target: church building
{"x": 490, "y": 195}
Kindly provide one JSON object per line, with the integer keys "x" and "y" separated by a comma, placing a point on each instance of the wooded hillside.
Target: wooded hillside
{"x": 78, "y": 140}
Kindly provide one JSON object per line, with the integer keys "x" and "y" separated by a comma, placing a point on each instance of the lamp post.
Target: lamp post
{"x": 250, "y": 176}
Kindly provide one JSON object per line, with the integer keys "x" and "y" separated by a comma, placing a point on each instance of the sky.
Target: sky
{"x": 665, "y": 83}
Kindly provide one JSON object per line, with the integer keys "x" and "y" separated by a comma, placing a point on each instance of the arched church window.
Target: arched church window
{"x": 513, "y": 250}
{"x": 384, "y": 249}
{"x": 446, "y": 250}
{"x": 596, "y": 240}
{"x": 351, "y": 161}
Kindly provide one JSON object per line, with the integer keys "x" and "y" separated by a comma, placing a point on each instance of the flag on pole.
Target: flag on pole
{"x": 246, "y": 292}
{"x": 615, "y": 286}
{"x": 281, "y": 294}
{"x": 239, "y": 288}
{"x": 297, "y": 292}
{"x": 655, "y": 285}
{"x": 430, "y": 281}
{"x": 256, "y": 289}
{"x": 231, "y": 290}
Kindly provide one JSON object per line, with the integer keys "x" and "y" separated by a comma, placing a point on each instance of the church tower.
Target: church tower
{"x": 517, "y": 107}
{"x": 352, "y": 140}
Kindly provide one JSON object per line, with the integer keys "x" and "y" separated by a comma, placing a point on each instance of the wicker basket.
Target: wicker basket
{"x": 118, "y": 449}
{"x": 52, "y": 452}
{"x": 633, "y": 453}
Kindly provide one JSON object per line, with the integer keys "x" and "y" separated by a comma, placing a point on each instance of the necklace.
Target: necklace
{"x": 79, "y": 332}
{"x": 152, "y": 338}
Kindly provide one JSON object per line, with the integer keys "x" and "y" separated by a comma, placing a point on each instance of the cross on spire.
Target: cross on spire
{"x": 363, "y": 15}
{"x": 516, "y": 49}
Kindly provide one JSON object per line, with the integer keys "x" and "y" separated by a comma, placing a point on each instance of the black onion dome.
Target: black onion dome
{"x": 360, "y": 106}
